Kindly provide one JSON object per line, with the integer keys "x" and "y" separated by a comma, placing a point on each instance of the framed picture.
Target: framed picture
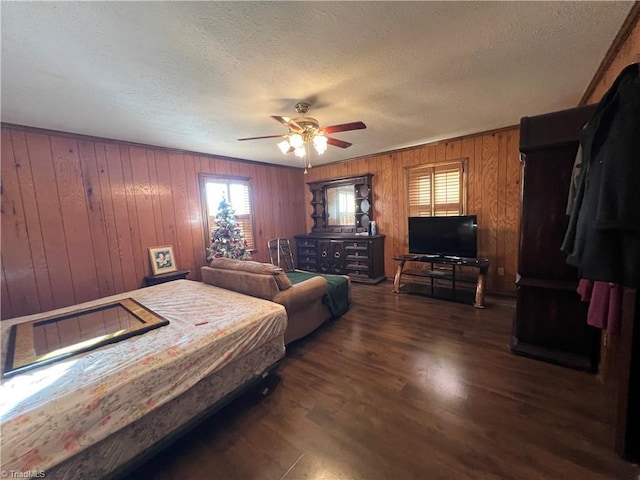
{"x": 162, "y": 260}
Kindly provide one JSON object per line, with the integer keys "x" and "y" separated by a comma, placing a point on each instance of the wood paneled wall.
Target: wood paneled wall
{"x": 494, "y": 180}
{"x": 624, "y": 51}
{"x": 79, "y": 213}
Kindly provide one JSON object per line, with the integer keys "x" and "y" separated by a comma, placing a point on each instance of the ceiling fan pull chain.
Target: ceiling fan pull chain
{"x": 308, "y": 164}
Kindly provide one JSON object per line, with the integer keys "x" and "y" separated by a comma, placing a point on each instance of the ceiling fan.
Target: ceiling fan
{"x": 304, "y": 130}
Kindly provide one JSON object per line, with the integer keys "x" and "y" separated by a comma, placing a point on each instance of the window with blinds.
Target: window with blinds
{"x": 238, "y": 193}
{"x": 436, "y": 190}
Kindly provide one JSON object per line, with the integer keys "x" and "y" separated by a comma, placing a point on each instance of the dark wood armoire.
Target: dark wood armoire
{"x": 550, "y": 322}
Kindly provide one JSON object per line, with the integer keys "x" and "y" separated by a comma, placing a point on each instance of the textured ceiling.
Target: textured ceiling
{"x": 199, "y": 75}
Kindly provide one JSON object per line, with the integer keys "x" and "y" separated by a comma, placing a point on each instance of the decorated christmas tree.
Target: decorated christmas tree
{"x": 226, "y": 238}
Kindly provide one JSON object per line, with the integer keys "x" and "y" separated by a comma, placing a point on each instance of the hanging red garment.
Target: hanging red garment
{"x": 605, "y": 304}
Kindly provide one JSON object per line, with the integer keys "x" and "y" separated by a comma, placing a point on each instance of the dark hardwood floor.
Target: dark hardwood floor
{"x": 407, "y": 387}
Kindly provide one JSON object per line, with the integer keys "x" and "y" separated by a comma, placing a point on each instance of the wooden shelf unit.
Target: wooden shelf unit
{"x": 550, "y": 322}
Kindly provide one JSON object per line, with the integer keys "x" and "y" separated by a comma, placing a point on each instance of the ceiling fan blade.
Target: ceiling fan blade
{"x": 287, "y": 122}
{"x": 338, "y": 143}
{"x": 343, "y": 127}
{"x": 258, "y": 138}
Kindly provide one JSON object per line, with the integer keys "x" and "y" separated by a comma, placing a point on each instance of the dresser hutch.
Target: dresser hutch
{"x": 341, "y": 240}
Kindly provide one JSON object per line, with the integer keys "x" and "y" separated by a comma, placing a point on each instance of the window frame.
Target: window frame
{"x": 205, "y": 178}
{"x": 461, "y": 164}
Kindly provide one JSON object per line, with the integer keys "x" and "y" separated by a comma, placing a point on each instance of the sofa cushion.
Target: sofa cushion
{"x": 253, "y": 267}
{"x": 282, "y": 280}
{"x": 243, "y": 265}
{"x": 254, "y": 284}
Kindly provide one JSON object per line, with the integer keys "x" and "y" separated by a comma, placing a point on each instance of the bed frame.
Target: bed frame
{"x": 261, "y": 382}
{"x": 126, "y": 450}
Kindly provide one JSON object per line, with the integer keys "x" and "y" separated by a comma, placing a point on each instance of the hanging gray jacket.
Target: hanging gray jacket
{"x": 603, "y": 237}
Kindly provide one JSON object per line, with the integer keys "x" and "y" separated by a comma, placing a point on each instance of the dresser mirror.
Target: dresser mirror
{"x": 342, "y": 206}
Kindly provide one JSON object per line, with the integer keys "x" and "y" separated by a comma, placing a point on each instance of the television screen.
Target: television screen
{"x": 444, "y": 236}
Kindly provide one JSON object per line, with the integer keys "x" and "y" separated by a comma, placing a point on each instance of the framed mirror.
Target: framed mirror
{"x": 46, "y": 340}
{"x": 343, "y": 205}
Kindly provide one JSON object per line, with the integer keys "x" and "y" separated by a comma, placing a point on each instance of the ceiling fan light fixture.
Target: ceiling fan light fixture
{"x": 284, "y": 146}
{"x": 296, "y": 141}
{"x": 300, "y": 151}
{"x": 320, "y": 143}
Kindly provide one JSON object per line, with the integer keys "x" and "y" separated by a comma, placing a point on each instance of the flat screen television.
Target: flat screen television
{"x": 444, "y": 236}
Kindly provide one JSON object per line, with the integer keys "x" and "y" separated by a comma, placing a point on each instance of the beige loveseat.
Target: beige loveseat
{"x": 303, "y": 301}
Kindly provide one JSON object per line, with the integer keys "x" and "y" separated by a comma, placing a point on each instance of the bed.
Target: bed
{"x": 95, "y": 414}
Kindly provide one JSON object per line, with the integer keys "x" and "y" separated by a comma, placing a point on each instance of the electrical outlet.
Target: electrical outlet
{"x": 501, "y": 271}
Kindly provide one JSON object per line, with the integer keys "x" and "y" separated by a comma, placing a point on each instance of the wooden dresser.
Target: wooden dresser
{"x": 360, "y": 257}
{"x": 340, "y": 241}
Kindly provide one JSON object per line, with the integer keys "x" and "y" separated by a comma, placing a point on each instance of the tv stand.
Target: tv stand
{"x": 446, "y": 281}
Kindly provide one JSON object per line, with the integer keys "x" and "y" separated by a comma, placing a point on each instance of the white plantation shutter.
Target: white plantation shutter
{"x": 238, "y": 192}
{"x": 243, "y": 212}
{"x": 447, "y": 191}
{"x": 239, "y": 198}
{"x": 435, "y": 190}
{"x": 420, "y": 192}
{"x": 241, "y": 202}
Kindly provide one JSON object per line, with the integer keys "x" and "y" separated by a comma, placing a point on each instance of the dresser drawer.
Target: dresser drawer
{"x": 356, "y": 266}
{"x": 358, "y": 273}
{"x": 356, "y": 245}
{"x": 307, "y": 259}
{"x": 308, "y": 243}
{"x": 357, "y": 256}
{"x": 305, "y": 251}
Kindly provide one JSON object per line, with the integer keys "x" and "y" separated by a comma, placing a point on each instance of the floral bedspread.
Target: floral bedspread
{"x": 53, "y": 412}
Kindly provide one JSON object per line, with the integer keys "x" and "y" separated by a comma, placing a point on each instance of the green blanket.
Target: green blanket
{"x": 337, "y": 296}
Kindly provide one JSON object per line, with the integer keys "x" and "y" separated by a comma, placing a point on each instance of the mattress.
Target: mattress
{"x": 124, "y": 446}
{"x": 55, "y": 412}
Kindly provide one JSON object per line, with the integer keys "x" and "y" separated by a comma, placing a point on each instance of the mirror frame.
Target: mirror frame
{"x": 319, "y": 205}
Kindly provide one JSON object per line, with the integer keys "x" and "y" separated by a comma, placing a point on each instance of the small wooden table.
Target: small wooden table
{"x": 165, "y": 277}
{"x": 424, "y": 281}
